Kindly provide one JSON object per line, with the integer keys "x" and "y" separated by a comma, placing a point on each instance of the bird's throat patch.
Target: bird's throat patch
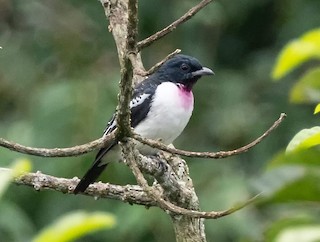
{"x": 186, "y": 96}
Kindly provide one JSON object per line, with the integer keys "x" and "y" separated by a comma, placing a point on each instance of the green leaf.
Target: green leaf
{"x": 19, "y": 167}
{"x": 307, "y": 89}
{"x": 306, "y": 188}
{"x": 75, "y": 225}
{"x": 317, "y": 109}
{"x": 293, "y": 177}
{"x": 282, "y": 230}
{"x": 297, "y": 52}
{"x": 274, "y": 180}
{"x": 303, "y": 233}
{"x": 290, "y": 184}
{"x": 305, "y": 139}
{"x": 309, "y": 157}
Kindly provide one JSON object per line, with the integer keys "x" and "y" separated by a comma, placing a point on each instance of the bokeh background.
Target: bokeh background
{"x": 58, "y": 87}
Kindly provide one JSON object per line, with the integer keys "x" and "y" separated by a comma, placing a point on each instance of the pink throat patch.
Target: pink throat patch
{"x": 186, "y": 97}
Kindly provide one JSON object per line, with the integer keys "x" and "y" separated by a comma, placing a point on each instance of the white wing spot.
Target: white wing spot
{"x": 138, "y": 100}
{"x": 110, "y": 127}
{"x": 134, "y": 103}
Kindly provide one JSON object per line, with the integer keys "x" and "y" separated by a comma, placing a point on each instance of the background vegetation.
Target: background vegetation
{"x": 58, "y": 85}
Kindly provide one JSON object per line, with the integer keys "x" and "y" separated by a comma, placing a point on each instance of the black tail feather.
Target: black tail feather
{"x": 89, "y": 178}
{"x": 94, "y": 172}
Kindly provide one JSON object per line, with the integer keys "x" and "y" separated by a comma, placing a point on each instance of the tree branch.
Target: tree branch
{"x": 148, "y": 41}
{"x": 212, "y": 155}
{"x": 59, "y": 152}
{"x": 99, "y": 143}
{"x": 157, "y": 65}
{"x": 132, "y": 194}
{"x": 131, "y": 158}
{"x": 124, "y": 96}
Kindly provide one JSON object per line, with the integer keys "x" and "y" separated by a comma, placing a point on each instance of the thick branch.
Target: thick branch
{"x": 132, "y": 194}
{"x": 161, "y": 171}
{"x": 124, "y": 97}
{"x": 148, "y": 41}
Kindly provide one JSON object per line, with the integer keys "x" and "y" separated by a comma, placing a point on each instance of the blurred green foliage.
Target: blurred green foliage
{"x": 58, "y": 85}
{"x": 300, "y": 186}
{"x": 74, "y": 225}
{"x": 15, "y": 170}
{"x": 298, "y": 52}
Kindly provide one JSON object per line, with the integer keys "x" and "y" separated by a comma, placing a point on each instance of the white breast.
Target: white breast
{"x": 170, "y": 112}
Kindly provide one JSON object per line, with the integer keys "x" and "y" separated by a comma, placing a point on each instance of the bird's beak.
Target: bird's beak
{"x": 203, "y": 72}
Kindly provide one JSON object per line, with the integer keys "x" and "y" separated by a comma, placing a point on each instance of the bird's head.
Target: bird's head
{"x": 183, "y": 69}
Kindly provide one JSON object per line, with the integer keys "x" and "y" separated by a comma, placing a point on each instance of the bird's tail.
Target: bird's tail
{"x": 94, "y": 172}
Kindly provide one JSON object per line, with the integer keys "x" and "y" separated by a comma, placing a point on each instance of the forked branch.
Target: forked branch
{"x": 130, "y": 150}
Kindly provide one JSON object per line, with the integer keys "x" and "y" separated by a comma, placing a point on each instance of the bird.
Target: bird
{"x": 161, "y": 107}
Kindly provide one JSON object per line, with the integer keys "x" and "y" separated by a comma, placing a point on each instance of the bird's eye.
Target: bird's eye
{"x": 184, "y": 67}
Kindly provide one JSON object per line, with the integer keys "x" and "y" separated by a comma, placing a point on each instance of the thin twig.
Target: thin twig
{"x": 212, "y": 155}
{"x": 59, "y": 152}
{"x": 148, "y": 41}
{"x": 201, "y": 214}
{"x": 156, "y": 66}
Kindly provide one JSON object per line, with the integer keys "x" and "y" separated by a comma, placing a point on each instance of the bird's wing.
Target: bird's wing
{"x": 139, "y": 106}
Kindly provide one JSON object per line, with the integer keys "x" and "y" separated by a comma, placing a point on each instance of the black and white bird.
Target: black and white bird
{"x": 161, "y": 107}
